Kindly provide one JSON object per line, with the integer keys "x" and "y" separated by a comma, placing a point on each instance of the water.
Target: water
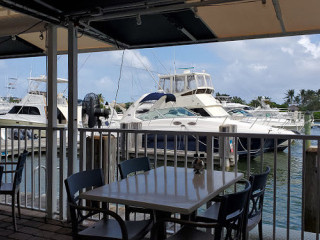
{"x": 282, "y": 183}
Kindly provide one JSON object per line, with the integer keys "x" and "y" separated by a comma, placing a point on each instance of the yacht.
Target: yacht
{"x": 194, "y": 90}
{"x": 146, "y": 111}
{"x": 32, "y": 109}
{"x": 264, "y": 114}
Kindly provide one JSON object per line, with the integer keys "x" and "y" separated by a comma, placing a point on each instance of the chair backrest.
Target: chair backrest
{"x": 74, "y": 184}
{"x": 19, "y": 168}
{"x": 258, "y": 182}
{"x": 1, "y": 172}
{"x": 134, "y": 165}
{"x": 232, "y": 211}
{"x": 78, "y": 181}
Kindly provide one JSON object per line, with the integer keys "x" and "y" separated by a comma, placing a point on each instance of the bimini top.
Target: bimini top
{"x": 156, "y": 96}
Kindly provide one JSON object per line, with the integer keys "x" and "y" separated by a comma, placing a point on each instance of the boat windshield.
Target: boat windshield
{"x": 208, "y": 80}
{"x": 201, "y": 81}
{"x": 164, "y": 84}
{"x": 191, "y": 82}
{"x": 179, "y": 84}
{"x": 166, "y": 113}
{"x": 25, "y": 110}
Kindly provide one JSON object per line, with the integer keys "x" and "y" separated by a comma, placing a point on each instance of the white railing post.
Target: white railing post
{"x": 52, "y": 123}
{"x": 72, "y": 97}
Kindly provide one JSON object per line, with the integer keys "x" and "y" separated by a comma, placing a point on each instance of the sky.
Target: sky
{"x": 247, "y": 69}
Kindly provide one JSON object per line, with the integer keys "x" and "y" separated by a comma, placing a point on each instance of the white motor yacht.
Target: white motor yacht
{"x": 32, "y": 109}
{"x": 193, "y": 90}
{"x": 146, "y": 111}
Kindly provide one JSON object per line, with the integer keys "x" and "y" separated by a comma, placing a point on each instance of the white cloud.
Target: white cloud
{"x": 287, "y": 50}
{"x": 256, "y": 67}
{"x": 313, "y": 49}
{"x": 267, "y": 67}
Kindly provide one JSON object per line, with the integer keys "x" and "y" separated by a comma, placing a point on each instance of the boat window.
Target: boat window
{"x": 179, "y": 84}
{"x": 165, "y": 85}
{"x": 208, "y": 80}
{"x": 161, "y": 81}
{"x": 25, "y": 110}
{"x": 201, "y": 112}
{"x": 191, "y": 82}
{"x": 201, "y": 81}
{"x": 166, "y": 113}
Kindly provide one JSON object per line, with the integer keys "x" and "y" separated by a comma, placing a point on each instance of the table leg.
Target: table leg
{"x": 161, "y": 233}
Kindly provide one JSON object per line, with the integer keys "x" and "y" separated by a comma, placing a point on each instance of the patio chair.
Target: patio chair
{"x": 254, "y": 205}
{"x": 258, "y": 182}
{"x": 13, "y": 188}
{"x": 132, "y": 166}
{"x": 106, "y": 228}
{"x": 231, "y": 216}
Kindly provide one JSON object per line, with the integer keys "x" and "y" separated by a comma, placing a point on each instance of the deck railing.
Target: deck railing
{"x": 285, "y": 198}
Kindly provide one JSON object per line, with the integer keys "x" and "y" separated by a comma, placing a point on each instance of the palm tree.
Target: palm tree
{"x": 302, "y": 96}
{"x": 101, "y": 100}
{"x": 290, "y": 96}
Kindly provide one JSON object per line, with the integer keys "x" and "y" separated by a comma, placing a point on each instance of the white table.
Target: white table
{"x": 166, "y": 189}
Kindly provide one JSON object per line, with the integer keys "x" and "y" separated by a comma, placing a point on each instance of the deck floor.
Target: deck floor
{"x": 33, "y": 226}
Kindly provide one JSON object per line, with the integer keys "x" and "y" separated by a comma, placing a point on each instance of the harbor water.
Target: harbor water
{"x": 282, "y": 183}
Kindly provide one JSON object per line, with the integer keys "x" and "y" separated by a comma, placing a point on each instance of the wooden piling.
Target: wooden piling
{"x": 311, "y": 206}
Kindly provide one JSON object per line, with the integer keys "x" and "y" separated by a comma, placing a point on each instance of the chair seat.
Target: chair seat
{"x": 252, "y": 222}
{"x": 6, "y": 188}
{"x": 211, "y": 213}
{"x": 188, "y": 233}
{"x": 110, "y": 229}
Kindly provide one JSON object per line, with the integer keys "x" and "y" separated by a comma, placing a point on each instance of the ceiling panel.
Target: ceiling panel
{"x": 241, "y": 19}
{"x": 300, "y": 15}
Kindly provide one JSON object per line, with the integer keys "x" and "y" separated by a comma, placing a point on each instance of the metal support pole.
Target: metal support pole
{"x": 72, "y": 97}
{"x": 52, "y": 122}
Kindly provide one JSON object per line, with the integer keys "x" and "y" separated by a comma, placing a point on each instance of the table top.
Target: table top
{"x": 170, "y": 189}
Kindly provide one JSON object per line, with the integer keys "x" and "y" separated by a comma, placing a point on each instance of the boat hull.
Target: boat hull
{"x": 192, "y": 145}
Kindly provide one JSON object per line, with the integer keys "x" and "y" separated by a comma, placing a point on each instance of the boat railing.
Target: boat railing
{"x": 288, "y": 188}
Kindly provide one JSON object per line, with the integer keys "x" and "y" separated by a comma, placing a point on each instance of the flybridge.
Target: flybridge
{"x": 187, "y": 82}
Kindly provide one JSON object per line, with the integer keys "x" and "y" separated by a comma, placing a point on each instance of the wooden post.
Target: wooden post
{"x": 109, "y": 165}
{"x": 311, "y": 184}
{"x": 307, "y": 127}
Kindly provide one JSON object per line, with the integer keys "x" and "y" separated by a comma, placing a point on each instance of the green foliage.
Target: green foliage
{"x": 316, "y": 115}
{"x": 128, "y": 104}
{"x": 254, "y": 103}
{"x": 306, "y": 99}
{"x": 236, "y": 99}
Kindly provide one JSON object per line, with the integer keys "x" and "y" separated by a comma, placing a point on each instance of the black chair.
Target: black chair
{"x": 106, "y": 228}
{"x": 254, "y": 217}
{"x": 132, "y": 166}
{"x": 231, "y": 216}
{"x": 254, "y": 204}
{"x": 13, "y": 188}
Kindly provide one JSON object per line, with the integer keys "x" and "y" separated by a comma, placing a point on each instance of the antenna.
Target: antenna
{"x": 174, "y": 73}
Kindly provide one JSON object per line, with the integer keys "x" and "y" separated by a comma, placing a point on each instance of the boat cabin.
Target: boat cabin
{"x": 186, "y": 83}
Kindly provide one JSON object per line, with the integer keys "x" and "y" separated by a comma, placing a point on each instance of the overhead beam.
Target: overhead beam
{"x": 29, "y": 11}
{"x": 277, "y": 9}
{"x": 149, "y": 10}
